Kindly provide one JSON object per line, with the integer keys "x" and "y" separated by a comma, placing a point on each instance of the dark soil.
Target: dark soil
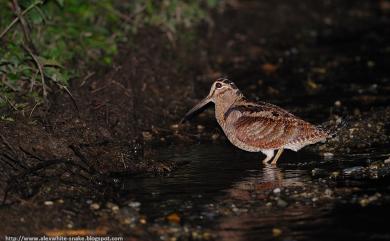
{"x": 322, "y": 60}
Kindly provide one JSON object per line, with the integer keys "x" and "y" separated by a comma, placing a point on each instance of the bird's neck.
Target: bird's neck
{"x": 222, "y": 105}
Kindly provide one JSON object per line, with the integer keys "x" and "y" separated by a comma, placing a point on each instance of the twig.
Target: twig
{"x": 127, "y": 18}
{"x": 9, "y": 164}
{"x": 70, "y": 95}
{"x": 51, "y": 162}
{"x": 78, "y": 153}
{"x": 89, "y": 75}
{"x": 33, "y": 80}
{"x": 17, "y": 18}
{"x": 17, "y": 161}
{"x": 3, "y": 80}
{"x": 26, "y": 31}
{"x": 40, "y": 69}
{"x": 7, "y": 143}
{"x": 33, "y": 109}
{"x": 9, "y": 102}
{"x": 126, "y": 92}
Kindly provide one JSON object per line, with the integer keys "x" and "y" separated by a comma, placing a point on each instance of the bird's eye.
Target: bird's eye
{"x": 218, "y": 85}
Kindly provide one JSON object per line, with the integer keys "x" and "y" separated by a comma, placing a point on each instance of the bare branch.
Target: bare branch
{"x": 17, "y": 18}
{"x": 40, "y": 68}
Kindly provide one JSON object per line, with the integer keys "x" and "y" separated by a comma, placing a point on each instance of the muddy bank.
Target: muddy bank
{"x": 65, "y": 170}
{"x": 61, "y": 155}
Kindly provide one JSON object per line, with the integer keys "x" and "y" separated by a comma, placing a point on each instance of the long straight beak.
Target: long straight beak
{"x": 197, "y": 107}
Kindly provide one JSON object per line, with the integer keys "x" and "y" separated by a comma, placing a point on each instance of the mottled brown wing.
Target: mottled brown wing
{"x": 268, "y": 132}
{"x": 272, "y": 108}
{"x": 251, "y": 109}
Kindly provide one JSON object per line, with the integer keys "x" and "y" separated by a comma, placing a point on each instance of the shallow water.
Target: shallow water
{"x": 229, "y": 192}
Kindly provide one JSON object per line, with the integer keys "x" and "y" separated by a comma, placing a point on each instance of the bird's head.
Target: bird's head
{"x": 222, "y": 92}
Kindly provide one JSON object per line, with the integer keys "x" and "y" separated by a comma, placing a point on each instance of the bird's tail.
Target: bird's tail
{"x": 332, "y": 129}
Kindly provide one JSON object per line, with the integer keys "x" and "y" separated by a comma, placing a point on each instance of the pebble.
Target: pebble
{"x": 335, "y": 174}
{"x": 142, "y": 220}
{"x": 200, "y": 127}
{"x": 318, "y": 172}
{"x": 175, "y": 126}
{"x": 337, "y": 103}
{"x": 276, "y": 232}
{"x": 174, "y": 218}
{"x": 353, "y": 170}
{"x": 387, "y": 161}
{"x": 48, "y": 203}
{"x": 94, "y": 206}
{"x": 370, "y": 63}
{"x": 147, "y": 136}
{"x": 367, "y": 200}
{"x": 134, "y": 204}
{"x": 281, "y": 203}
{"x": 277, "y": 190}
{"x": 112, "y": 206}
{"x": 328, "y": 155}
{"x": 127, "y": 221}
{"x": 376, "y": 165}
{"x": 328, "y": 192}
{"x": 214, "y": 137}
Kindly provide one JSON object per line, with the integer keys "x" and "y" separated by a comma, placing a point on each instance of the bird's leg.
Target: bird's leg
{"x": 269, "y": 154}
{"x": 277, "y": 156}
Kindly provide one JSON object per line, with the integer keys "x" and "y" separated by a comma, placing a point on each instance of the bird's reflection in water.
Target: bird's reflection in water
{"x": 257, "y": 188}
{"x": 266, "y": 179}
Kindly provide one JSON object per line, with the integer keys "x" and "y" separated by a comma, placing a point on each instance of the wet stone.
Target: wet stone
{"x": 174, "y": 218}
{"x": 48, "y": 203}
{"x": 112, "y": 206}
{"x": 328, "y": 155}
{"x": 337, "y": 103}
{"x": 200, "y": 128}
{"x": 281, "y": 203}
{"x": 318, "y": 172}
{"x": 174, "y": 126}
{"x": 134, "y": 204}
{"x": 147, "y": 136}
{"x": 328, "y": 192}
{"x": 387, "y": 161}
{"x": 376, "y": 165}
{"x": 214, "y": 137}
{"x": 94, "y": 206}
{"x": 366, "y": 200}
{"x": 276, "y": 191}
{"x": 335, "y": 174}
{"x": 276, "y": 232}
{"x": 354, "y": 171}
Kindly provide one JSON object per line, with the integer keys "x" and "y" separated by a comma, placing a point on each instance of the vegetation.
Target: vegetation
{"x": 44, "y": 44}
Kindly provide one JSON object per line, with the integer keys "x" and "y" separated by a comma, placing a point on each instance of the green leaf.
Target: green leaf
{"x": 60, "y": 3}
{"x": 49, "y": 62}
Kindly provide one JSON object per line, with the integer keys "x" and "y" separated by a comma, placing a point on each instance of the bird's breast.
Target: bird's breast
{"x": 227, "y": 124}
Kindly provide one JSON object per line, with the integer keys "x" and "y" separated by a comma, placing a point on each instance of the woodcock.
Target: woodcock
{"x": 258, "y": 126}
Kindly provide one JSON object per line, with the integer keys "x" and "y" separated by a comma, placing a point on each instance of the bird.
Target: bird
{"x": 257, "y": 126}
